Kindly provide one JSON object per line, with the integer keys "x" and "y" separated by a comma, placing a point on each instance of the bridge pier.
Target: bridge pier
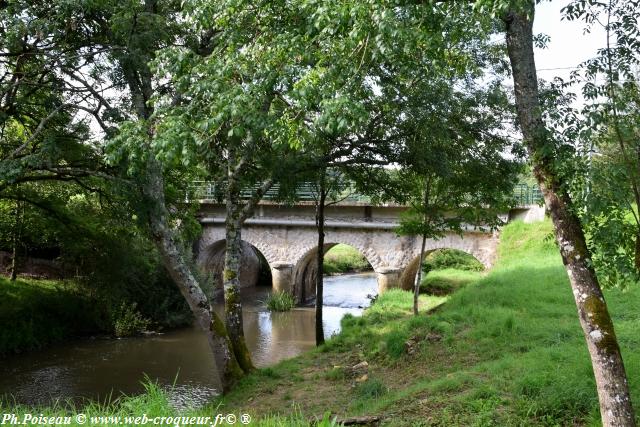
{"x": 388, "y": 278}
{"x": 282, "y": 276}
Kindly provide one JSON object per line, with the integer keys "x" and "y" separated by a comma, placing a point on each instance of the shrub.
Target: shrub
{"x": 128, "y": 322}
{"x": 280, "y": 301}
{"x": 447, "y": 281}
{"x": 452, "y": 258}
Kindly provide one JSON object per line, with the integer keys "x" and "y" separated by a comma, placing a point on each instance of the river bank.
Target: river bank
{"x": 98, "y": 368}
{"x": 37, "y": 313}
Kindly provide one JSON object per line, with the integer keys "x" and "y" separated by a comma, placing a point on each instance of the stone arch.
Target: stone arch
{"x": 349, "y": 238}
{"x": 407, "y": 278}
{"x": 261, "y": 239}
{"x": 305, "y": 270}
{"x": 260, "y": 244}
{"x": 254, "y": 266}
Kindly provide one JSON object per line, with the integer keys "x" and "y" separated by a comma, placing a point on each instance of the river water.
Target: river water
{"x": 178, "y": 360}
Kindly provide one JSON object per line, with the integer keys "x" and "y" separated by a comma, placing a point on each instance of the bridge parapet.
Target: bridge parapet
{"x": 208, "y": 192}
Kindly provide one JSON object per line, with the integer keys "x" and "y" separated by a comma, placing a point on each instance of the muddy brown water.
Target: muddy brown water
{"x": 180, "y": 360}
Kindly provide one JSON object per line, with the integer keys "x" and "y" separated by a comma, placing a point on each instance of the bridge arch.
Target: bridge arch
{"x": 254, "y": 267}
{"x": 305, "y": 270}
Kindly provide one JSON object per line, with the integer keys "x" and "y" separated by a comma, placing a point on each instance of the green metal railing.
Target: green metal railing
{"x": 523, "y": 194}
{"x": 304, "y": 192}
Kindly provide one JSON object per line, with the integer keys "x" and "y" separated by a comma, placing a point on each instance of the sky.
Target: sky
{"x": 569, "y": 46}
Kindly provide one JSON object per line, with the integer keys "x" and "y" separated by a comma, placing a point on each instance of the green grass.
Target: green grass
{"x": 344, "y": 259}
{"x": 504, "y": 350}
{"x": 36, "y": 313}
{"x": 280, "y": 301}
{"x": 153, "y": 404}
{"x": 447, "y": 281}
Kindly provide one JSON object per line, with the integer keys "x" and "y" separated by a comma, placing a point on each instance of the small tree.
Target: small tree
{"x": 455, "y": 174}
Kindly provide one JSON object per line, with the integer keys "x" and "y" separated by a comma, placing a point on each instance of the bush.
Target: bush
{"x": 280, "y": 301}
{"x": 447, "y": 281}
{"x": 452, "y": 258}
{"x": 128, "y": 322}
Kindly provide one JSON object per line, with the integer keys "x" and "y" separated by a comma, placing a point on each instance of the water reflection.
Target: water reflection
{"x": 98, "y": 369}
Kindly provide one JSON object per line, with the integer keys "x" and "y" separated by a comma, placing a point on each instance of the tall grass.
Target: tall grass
{"x": 280, "y": 301}
{"x": 153, "y": 402}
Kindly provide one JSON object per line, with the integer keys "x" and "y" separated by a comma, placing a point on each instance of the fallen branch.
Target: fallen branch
{"x": 367, "y": 420}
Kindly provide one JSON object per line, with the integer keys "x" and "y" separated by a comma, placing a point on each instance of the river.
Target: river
{"x": 178, "y": 360}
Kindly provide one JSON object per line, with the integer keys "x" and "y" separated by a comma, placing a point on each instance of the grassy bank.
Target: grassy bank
{"x": 448, "y": 281}
{"x": 36, "y": 313}
{"x": 505, "y": 350}
{"x": 344, "y": 259}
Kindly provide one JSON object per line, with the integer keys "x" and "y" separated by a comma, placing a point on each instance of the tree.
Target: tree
{"x": 610, "y": 190}
{"x": 276, "y": 80}
{"x": 611, "y": 380}
{"x": 41, "y": 142}
{"x": 337, "y": 163}
{"x": 455, "y": 171}
{"x": 143, "y": 29}
{"x": 57, "y": 59}
{"x": 332, "y": 186}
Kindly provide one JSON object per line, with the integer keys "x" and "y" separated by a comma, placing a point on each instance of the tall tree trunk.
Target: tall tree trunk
{"x": 232, "y": 303}
{"x": 14, "y": 243}
{"x": 637, "y": 254}
{"x": 14, "y": 261}
{"x": 418, "y": 279}
{"x": 231, "y": 275}
{"x": 320, "y": 258}
{"x": 608, "y": 368}
{"x": 173, "y": 259}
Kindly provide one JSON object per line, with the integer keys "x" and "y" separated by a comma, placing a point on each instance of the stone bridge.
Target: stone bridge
{"x": 281, "y": 242}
